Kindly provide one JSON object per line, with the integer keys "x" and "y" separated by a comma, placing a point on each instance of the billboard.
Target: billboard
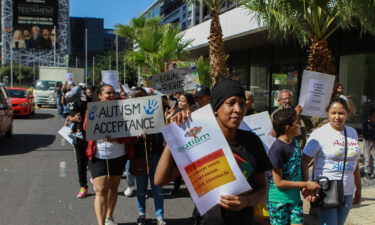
{"x": 34, "y": 24}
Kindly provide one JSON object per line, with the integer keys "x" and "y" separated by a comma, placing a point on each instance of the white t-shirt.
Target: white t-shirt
{"x": 111, "y": 149}
{"x": 327, "y": 145}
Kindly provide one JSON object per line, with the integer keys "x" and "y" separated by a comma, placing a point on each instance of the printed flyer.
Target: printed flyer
{"x": 261, "y": 125}
{"x": 205, "y": 159}
{"x": 316, "y": 91}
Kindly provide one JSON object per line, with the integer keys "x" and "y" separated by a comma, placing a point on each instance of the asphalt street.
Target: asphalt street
{"x": 39, "y": 181}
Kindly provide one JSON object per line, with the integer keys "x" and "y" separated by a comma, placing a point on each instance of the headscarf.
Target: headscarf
{"x": 223, "y": 90}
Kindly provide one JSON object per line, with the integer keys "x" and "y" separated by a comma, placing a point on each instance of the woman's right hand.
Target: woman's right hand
{"x": 181, "y": 116}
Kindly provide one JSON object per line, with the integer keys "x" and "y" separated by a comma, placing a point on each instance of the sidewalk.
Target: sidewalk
{"x": 364, "y": 213}
{"x": 359, "y": 215}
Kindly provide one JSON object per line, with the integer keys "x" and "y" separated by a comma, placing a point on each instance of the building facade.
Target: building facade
{"x": 265, "y": 68}
{"x": 99, "y": 40}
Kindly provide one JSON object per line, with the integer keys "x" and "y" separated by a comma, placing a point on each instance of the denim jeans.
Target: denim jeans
{"x": 336, "y": 216}
{"x": 129, "y": 177}
{"x": 142, "y": 184}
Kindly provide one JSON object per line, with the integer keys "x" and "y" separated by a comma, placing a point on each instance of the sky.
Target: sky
{"x": 113, "y": 11}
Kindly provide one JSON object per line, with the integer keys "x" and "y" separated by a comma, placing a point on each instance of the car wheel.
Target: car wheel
{"x": 9, "y": 133}
{"x": 39, "y": 106}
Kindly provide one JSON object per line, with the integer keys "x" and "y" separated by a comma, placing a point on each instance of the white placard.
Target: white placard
{"x": 205, "y": 159}
{"x": 261, "y": 125}
{"x": 126, "y": 88}
{"x": 69, "y": 78}
{"x": 316, "y": 91}
{"x": 111, "y": 77}
{"x": 178, "y": 80}
{"x": 124, "y": 118}
{"x": 66, "y": 133}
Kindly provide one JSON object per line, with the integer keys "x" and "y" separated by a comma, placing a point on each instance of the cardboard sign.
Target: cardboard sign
{"x": 261, "y": 125}
{"x": 178, "y": 80}
{"x": 124, "y": 118}
{"x": 316, "y": 91}
{"x": 126, "y": 88}
{"x": 205, "y": 159}
{"x": 111, "y": 77}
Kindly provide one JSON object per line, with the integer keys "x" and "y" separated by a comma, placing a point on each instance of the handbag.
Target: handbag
{"x": 331, "y": 193}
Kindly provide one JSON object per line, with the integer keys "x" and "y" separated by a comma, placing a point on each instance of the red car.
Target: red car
{"x": 22, "y": 101}
{"x": 6, "y": 113}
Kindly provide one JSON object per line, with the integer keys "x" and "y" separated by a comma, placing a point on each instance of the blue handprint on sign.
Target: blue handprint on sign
{"x": 152, "y": 106}
{"x": 92, "y": 112}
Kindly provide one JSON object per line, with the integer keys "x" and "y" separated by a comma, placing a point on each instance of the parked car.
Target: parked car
{"x": 22, "y": 100}
{"x": 6, "y": 113}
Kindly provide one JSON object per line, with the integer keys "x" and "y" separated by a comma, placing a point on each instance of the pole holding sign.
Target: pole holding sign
{"x": 316, "y": 91}
{"x": 205, "y": 159}
{"x": 124, "y": 118}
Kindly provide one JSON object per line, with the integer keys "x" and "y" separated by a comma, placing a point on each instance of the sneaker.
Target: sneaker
{"x": 109, "y": 221}
{"x": 141, "y": 220}
{"x": 161, "y": 222}
{"x": 128, "y": 191}
{"x": 82, "y": 192}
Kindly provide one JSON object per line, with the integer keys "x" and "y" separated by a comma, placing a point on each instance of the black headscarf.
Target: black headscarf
{"x": 223, "y": 90}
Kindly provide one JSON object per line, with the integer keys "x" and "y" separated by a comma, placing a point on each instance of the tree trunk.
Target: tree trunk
{"x": 320, "y": 58}
{"x": 217, "y": 53}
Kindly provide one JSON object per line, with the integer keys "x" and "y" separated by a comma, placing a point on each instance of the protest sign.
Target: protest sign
{"x": 124, "y": 118}
{"x": 178, "y": 80}
{"x": 205, "y": 159}
{"x": 126, "y": 88}
{"x": 261, "y": 125}
{"x": 316, "y": 91}
{"x": 111, "y": 77}
{"x": 69, "y": 78}
{"x": 66, "y": 133}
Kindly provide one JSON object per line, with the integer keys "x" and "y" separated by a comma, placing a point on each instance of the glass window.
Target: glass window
{"x": 239, "y": 73}
{"x": 357, "y": 75}
{"x": 14, "y": 93}
{"x": 284, "y": 76}
{"x": 259, "y": 86}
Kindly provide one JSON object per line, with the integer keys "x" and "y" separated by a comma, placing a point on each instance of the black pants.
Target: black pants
{"x": 80, "y": 146}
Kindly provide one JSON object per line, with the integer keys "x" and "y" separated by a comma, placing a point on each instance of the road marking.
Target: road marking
{"x": 63, "y": 142}
{"x": 63, "y": 169}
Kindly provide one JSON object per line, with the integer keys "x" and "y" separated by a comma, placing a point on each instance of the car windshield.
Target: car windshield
{"x": 45, "y": 85}
{"x": 14, "y": 93}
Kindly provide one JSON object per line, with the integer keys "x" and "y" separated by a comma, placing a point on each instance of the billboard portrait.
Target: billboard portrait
{"x": 34, "y": 24}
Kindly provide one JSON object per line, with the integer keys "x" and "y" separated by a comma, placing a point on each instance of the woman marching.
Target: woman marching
{"x": 228, "y": 103}
{"x": 148, "y": 149}
{"x": 335, "y": 149}
{"x": 107, "y": 159}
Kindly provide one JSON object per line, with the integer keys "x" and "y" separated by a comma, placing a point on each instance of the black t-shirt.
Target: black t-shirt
{"x": 280, "y": 153}
{"x": 252, "y": 159}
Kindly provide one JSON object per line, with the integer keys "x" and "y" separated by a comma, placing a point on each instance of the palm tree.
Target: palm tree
{"x": 219, "y": 68}
{"x": 155, "y": 44}
{"x": 312, "y": 22}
